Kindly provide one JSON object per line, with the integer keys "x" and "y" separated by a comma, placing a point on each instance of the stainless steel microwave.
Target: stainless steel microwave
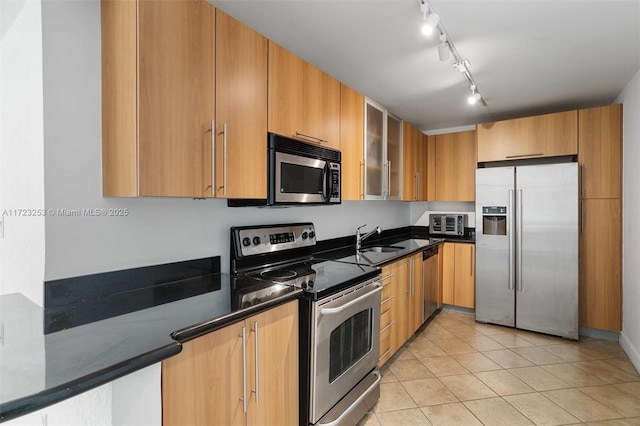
{"x": 302, "y": 173}
{"x": 447, "y": 224}
{"x": 298, "y": 173}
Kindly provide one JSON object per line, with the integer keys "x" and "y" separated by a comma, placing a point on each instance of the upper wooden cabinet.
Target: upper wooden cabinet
{"x": 547, "y": 135}
{"x": 600, "y": 151}
{"x": 352, "y": 143}
{"x": 304, "y": 101}
{"x": 455, "y": 166}
{"x": 161, "y": 136}
{"x": 414, "y": 164}
{"x": 157, "y": 97}
{"x": 241, "y": 111}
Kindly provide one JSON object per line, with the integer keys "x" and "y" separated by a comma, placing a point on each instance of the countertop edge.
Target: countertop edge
{"x": 197, "y": 330}
{"x": 28, "y": 404}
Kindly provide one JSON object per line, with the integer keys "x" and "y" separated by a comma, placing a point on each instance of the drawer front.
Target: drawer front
{"x": 385, "y": 320}
{"x": 386, "y": 292}
{"x": 386, "y": 349}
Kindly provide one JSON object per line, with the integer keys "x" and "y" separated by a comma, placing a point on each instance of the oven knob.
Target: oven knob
{"x": 256, "y": 240}
{"x": 305, "y": 234}
{"x": 312, "y": 234}
{"x": 246, "y": 241}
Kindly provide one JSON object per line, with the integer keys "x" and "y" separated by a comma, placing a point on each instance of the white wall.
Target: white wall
{"x": 156, "y": 230}
{"x": 630, "y": 337}
{"x": 21, "y": 149}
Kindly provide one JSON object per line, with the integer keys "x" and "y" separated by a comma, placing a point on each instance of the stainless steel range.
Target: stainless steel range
{"x": 339, "y": 318}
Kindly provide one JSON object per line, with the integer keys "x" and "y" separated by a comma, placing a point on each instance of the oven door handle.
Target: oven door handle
{"x": 330, "y": 311}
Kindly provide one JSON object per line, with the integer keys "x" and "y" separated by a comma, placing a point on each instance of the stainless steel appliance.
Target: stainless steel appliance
{"x": 527, "y": 247}
{"x": 430, "y": 282}
{"x": 447, "y": 224}
{"x": 339, "y": 318}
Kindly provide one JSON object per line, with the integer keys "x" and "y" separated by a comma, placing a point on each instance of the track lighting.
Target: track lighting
{"x": 447, "y": 48}
{"x": 475, "y": 96}
{"x": 443, "y": 48}
{"x": 431, "y": 20}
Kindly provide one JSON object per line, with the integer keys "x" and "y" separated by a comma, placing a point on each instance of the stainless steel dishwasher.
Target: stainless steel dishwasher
{"x": 430, "y": 281}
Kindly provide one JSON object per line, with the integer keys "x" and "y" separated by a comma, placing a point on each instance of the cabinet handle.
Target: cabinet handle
{"x": 224, "y": 159}
{"x": 387, "y": 277}
{"x": 411, "y": 277}
{"x": 244, "y": 368}
{"x": 471, "y": 262}
{"x": 535, "y": 154}
{"x": 213, "y": 157}
{"x": 304, "y": 135}
{"x": 417, "y": 186}
{"x": 581, "y": 180}
{"x": 386, "y": 327}
{"x": 386, "y": 300}
{"x": 386, "y": 352}
{"x": 257, "y": 352}
{"x": 389, "y": 178}
{"x": 581, "y": 217}
{"x": 362, "y": 180}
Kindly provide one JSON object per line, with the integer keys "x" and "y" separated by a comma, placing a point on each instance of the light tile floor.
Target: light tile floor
{"x": 455, "y": 371}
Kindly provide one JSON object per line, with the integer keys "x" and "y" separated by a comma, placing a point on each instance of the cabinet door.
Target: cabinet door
{"x": 409, "y": 163}
{"x": 464, "y": 286}
{"x": 599, "y": 151}
{"x": 374, "y": 172}
{"x": 421, "y": 166}
{"x": 448, "y": 273}
{"x": 601, "y": 264}
{"x": 394, "y": 158}
{"x": 241, "y": 110}
{"x": 318, "y": 119}
{"x": 401, "y": 302}
{"x": 176, "y": 96}
{"x": 455, "y": 165}
{"x": 431, "y": 168}
{"x": 414, "y": 312}
{"x": 203, "y": 383}
{"x": 283, "y": 90}
{"x": 352, "y": 143}
{"x": 272, "y": 364}
{"x": 547, "y": 135}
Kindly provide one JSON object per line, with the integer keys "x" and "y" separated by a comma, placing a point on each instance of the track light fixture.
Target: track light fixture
{"x": 443, "y": 48}
{"x": 431, "y": 20}
{"x": 447, "y": 48}
{"x": 475, "y": 96}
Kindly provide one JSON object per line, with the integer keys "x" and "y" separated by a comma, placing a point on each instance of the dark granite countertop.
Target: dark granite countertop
{"x": 38, "y": 369}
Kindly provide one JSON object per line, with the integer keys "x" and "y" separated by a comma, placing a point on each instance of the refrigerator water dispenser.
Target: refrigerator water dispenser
{"x": 494, "y": 220}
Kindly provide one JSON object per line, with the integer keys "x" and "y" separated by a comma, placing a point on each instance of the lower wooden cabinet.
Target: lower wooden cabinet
{"x": 401, "y": 304}
{"x": 601, "y": 264}
{"x": 205, "y": 384}
{"x": 458, "y": 275}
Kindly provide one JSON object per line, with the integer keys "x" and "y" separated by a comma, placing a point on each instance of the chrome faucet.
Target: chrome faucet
{"x": 360, "y": 238}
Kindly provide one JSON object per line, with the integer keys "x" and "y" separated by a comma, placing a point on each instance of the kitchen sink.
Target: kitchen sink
{"x": 382, "y": 249}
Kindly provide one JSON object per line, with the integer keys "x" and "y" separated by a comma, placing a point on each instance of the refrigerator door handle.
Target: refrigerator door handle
{"x": 511, "y": 238}
{"x": 519, "y": 237}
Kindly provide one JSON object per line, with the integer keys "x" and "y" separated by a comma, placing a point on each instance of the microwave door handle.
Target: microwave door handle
{"x": 326, "y": 190}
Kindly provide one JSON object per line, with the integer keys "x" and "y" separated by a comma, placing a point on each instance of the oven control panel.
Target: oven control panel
{"x": 268, "y": 239}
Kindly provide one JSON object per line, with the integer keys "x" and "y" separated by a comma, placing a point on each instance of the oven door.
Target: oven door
{"x": 300, "y": 179}
{"x": 345, "y": 343}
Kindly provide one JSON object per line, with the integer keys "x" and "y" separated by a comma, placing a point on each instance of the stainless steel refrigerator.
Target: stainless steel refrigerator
{"x": 527, "y": 247}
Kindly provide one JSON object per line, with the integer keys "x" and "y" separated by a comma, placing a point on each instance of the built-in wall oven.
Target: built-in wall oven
{"x": 339, "y": 318}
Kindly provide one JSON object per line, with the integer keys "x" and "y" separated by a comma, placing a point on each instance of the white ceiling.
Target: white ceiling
{"x": 527, "y": 56}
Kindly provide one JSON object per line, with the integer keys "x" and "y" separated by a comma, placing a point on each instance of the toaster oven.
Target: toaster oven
{"x": 447, "y": 224}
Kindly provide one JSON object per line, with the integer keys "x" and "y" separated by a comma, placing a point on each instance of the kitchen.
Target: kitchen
{"x": 165, "y": 230}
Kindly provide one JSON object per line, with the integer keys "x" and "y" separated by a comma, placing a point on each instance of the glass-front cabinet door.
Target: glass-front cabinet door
{"x": 394, "y": 158}
{"x": 382, "y": 154}
{"x": 374, "y": 151}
